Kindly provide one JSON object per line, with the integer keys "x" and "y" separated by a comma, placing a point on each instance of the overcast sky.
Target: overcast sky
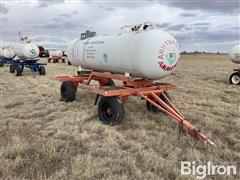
{"x": 197, "y": 25}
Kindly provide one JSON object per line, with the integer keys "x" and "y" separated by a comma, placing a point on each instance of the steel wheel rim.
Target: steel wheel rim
{"x": 236, "y": 79}
{"x": 107, "y": 111}
{"x": 64, "y": 94}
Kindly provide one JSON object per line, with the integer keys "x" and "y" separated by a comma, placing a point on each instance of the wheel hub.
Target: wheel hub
{"x": 236, "y": 79}
{"x": 109, "y": 111}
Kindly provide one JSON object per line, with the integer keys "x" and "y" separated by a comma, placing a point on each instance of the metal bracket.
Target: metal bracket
{"x": 96, "y": 100}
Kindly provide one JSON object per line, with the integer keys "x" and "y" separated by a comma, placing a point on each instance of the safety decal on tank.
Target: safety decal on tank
{"x": 33, "y": 51}
{"x": 105, "y": 58}
{"x": 168, "y": 55}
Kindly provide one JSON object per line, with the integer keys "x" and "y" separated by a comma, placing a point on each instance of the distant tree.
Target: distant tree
{"x": 196, "y": 52}
{"x": 184, "y": 52}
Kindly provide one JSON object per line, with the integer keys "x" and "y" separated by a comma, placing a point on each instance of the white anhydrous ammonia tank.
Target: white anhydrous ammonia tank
{"x": 235, "y": 54}
{"x": 55, "y": 54}
{"x": 27, "y": 50}
{"x": 6, "y": 52}
{"x": 150, "y": 54}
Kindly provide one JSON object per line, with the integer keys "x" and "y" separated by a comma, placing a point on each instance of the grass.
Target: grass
{"x": 43, "y": 138}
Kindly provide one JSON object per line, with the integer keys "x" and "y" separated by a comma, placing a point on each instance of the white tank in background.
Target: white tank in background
{"x": 27, "y": 50}
{"x": 6, "y": 52}
{"x": 234, "y": 55}
{"x": 55, "y": 53}
{"x": 140, "y": 51}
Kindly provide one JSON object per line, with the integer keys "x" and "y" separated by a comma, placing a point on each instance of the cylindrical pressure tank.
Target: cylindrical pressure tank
{"x": 55, "y": 53}
{"x": 151, "y": 54}
{"x": 234, "y": 55}
{"x": 6, "y": 52}
{"x": 27, "y": 50}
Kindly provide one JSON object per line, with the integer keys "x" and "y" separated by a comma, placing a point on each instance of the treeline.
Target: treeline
{"x": 201, "y": 52}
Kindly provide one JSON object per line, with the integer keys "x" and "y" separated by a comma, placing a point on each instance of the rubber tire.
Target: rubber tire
{"x": 11, "y": 68}
{"x": 232, "y": 75}
{"x": 49, "y": 60}
{"x": 110, "y": 83}
{"x": 117, "y": 110}
{"x": 67, "y": 91}
{"x": 154, "y": 109}
{"x": 42, "y": 70}
{"x": 18, "y": 70}
{"x": 1, "y": 63}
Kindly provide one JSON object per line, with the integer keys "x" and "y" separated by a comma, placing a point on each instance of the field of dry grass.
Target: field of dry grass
{"x": 41, "y": 137}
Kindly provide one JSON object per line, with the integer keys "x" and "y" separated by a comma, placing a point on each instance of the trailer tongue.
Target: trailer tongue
{"x": 171, "y": 110}
{"x": 111, "y": 111}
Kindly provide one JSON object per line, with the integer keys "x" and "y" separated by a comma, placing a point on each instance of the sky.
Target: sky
{"x": 202, "y": 25}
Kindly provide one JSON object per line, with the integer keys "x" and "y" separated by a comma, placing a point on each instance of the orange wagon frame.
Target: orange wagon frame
{"x": 146, "y": 89}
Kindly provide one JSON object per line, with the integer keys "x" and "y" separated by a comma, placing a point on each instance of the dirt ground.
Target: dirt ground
{"x": 41, "y": 137}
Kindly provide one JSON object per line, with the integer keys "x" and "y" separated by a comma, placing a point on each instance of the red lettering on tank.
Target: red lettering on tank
{"x": 161, "y": 51}
{"x": 161, "y": 63}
